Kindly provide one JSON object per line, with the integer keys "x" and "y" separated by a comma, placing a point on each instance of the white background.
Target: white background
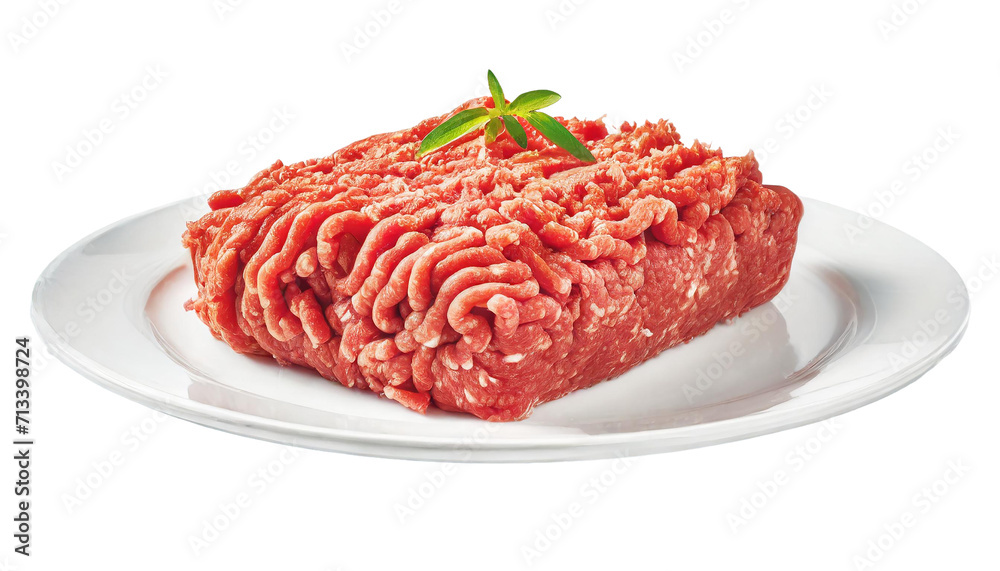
{"x": 890, "y": 88}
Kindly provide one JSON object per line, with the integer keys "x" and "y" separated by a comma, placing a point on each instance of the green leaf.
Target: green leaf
{"x": 493, "y": 129}
{"x": 496, "y": 91}
{"x": 555, "y": 132}
{"x": 516, "y": 131}
{"x": 457, "y": 125}
{"x": 533, "y": 100}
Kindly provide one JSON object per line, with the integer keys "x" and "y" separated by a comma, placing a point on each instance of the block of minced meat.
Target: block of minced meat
{"x": 488, "y": 279}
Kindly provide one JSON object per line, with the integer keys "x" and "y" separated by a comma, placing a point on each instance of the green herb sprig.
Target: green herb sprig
{"x": 503, "y": 117}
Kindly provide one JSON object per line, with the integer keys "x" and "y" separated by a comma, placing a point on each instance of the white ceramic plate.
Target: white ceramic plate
{"x": 862, "y": 316}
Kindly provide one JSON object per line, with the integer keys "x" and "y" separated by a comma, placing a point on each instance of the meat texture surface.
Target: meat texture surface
{"x": 489, "y": 279}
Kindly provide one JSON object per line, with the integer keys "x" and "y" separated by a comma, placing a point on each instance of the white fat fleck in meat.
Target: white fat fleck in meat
{"x": 616, "y": 173}
{"x": 515, "y": 358}
{"x": 545, "y": 344}
{"x": 598, "y": 311}
{"x": 469, "y": 397}
{"x": 692, "y": 289}
{"x": 343, "y": 313}
{"x": 647, "y": 332}
{"x": 433, "y": 342}
{"x": 492, "y": 379}
{"x": 399, "y": 185}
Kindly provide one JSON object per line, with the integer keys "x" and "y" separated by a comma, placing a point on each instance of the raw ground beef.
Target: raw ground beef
{"x": 489, "y": 279}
